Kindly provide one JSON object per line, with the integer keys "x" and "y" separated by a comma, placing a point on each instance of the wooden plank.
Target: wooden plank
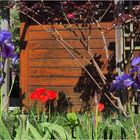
{"x": 59, "y": 72}
{"x": 53, "y": 81}
{"x": 62, "y": 53}
{"x": 54, "y": 72}
{"x": 61, "y": 27}
{"x": 59, "y": 63}
{"x": 70, "y": 63}
{"x": 49, "y": 44}
{"x": 24, "y": 62}
{"x": 67, "y": 89}
{"x": 43, "y": 35}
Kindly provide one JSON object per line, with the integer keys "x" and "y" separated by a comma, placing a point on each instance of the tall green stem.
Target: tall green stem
{"x": 49, "y": 110}
{"x": 96, "y": 122}
{"x": 0, "y": 103}
{"x": 133, "y": 122}
{"x": 9, "y": 93}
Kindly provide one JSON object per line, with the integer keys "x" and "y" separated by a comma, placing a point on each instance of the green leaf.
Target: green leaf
{"x": 4, "y": 134}
{"x": 72, "y": 117}
{"x": 21, "y": 132}
{"x": 56, "y": 128}
{"x": 80, "y": 133}
{"x": 34, "y": 132}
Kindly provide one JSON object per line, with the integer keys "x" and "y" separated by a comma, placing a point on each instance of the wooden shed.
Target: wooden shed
{"x": 44, "y": 62}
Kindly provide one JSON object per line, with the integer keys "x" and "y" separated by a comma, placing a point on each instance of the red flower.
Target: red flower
{"x": 34, "y": 95}
{"x": 43, "y": 99}
{"x": 41, "y": 90}
{"x": 52, "y": 94}
{"x": 70, "y": 16}
{"x": 101, "y": 107}
{"x": 39, "y": 94}
{"x": 42, "y": 95}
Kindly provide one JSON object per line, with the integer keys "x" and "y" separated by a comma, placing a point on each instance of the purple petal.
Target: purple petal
{"x": 4, "y": 36}
{"x": 128, "y": 83}
{"x": 8, "y": 51}
{"x": 136, "y": 86}
{"x": 135, "y": 69}
{"x": 117, "y": 77}
{"x": 120, "y": 86}
{"x": 121, "y": 82}
{"x": 15, "y": 60}
{"x": 125, "y": 76}
{"x": 1, "y": 38}
{"x": 135, "y": 61}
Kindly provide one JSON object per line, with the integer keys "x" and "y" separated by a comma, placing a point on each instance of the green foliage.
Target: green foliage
{"x": 55, "y": 129}
{"x": 70, "y": 126}
{"x": 72, "y": 118}
{"x": 4, "y": 134}
{"x": 34, "y": 132}
{"x": 15, "y": 26}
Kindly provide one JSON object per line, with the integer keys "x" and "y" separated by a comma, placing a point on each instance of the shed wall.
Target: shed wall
{"x": 45, "y": 63}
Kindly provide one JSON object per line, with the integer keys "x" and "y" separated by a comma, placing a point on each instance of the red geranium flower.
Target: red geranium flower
{"x": 51, "y": 94}
{"x": 101, "y": 107}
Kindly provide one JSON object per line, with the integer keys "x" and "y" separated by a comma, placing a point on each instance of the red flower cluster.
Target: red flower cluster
{"x": 101, "y": 107}
{"x": 42, "y": 95}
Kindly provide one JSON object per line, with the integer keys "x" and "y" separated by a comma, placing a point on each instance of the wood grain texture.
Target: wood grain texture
{"x": 66, "y": 35}
{"x": 58, "y": 72}
{"x": 55, "y": 72}
{"x": 49, "y": 44}
{"x": 45, "y": 63}
{"x": 60, "y": 63}
{"x": 24, "y": 61}
{"x": 61, "y": 27}
{"x": 53, "y": 81}
{"x": 63, "y": 54}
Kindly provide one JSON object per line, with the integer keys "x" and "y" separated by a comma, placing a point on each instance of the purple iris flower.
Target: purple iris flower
{"x": 8, "y": 50}
{"x": 15, "y": 59}
{"x": 6, "y": 47}
{"x": 135, "y": 69}
{"x": 5, "y": 36}
{"x": 121, "y": 82}
{"x": 135, "y": 61}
